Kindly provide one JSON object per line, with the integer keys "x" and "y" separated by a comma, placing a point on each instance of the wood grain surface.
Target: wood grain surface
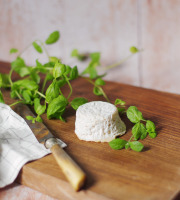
{"x": 125, "y": 174}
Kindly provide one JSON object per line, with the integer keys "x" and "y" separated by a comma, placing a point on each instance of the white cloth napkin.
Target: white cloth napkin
{"x": 18, "y": 145}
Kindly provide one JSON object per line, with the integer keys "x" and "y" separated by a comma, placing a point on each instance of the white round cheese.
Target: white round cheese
{"x": 98, "y": 121}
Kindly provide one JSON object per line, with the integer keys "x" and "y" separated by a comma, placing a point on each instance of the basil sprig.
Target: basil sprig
{"x": 139, "y": 130}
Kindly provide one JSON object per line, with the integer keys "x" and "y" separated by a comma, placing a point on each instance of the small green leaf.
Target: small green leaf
{"x": 143, "y": 135}
{"x": 27, "y": 96}
{"x": 25, "y": 83}
{"x": 138, "y": 130}
{"x": 134, "y": 49}
{"x": 93, "y": 73}
{"x": 127, "y": 145}
{"x": 120, "y": 102}
{"x": 39, "y": 119}
{"x": 52, "y": 91}
{"x": 37, "y": 47}
{"x": 152, "y": 134}
{"x": 35, "y": 76}
{"x": 79, "y": 56}
{"x": 54, "y": 59}
{"x": 4, "y": 81}
{"x": 121, "y": 110}
{"x": 39, "y": 109}
{"x": 133, "y": 114}
{"x": 19, "y": 62}
{"x": 53, "y": 37}
{"x": 49, "y": 77}
{"x": 29, "y": 117}
{"x": 97, "y": 91}
{"x": 117, "y": 144}
{"x": 75, "y": 103}
{"x": 13, "y": 50}
{"x": 150, "y": 126}
{"x": 74, "y": 73}
{"x": 57, "y": 107}
{"x": 74, "y": 53}
{"x": 68, "y": 70}
{"x": 20, "y": 67}
{"x": 1, "y": 97}
{"x": 58, "y": 70}
{"x": 96, "y": 57}
{"x": 136, "y": 146}
{"x": 100, "y": 82}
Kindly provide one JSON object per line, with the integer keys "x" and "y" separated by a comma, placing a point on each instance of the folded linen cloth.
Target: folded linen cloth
{"x": 18, "y": 145}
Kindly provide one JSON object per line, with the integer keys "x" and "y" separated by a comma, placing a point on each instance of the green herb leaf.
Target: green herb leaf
{"x": 121, "y": 110}
{"x": 152, "y": 134}
{"x": 97, "y": 91}
{"x": 18, "y": 63}
{"x": 76, "y": 102}
{"x": 96, "y": 57}
{"x": 39, "y": 109}
{"x": 134, "y": 49}
{"x": 19, "y": 66}
{"x": 27, "y": 95}
{"x": 79, "y": 56}
{"x": 1, "y": 97}
{"x": 39, "y": 119}
{"x": 120, "y": 102}
{"x": 74, "y": 73}
{"x": 4, "y": 81}
{"x": 68, "y": 70}
{"x": 100, "y": 82}
{"x": 35, "y": 76}
{"x": 150, "y": 126}
{"x": 127, "y": 145}
{"x": 117, "y": 144}
{"x": 13, "y": 50}
{"x": 54, "y": 59}
{"x": 57, "y": 107}
{"x": 133, "y": 114}
{"x": 29, "y": 117}
{"x": 37, "y": 47}
{"x": 58, "y": 70}
{"x": 27, "y": 84}
{"x": 52, "y": 91}
{"x": 74, "y": 53}
{"x": 93, "y": 73}
{"x": 53, "y": 37}
{"x": 136, "y": 146}
{"x": 138, "y": 130}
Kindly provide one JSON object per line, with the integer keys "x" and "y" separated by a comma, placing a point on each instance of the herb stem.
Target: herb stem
{"x": 42, "y": 44}
{"x": 119, "y": 63}
{"x": 42, "y": 95}
{"x": 99, "y": 87}
{"x": 130, "y": 138}
{"x": 70, "y": 93}
{"x": 17, "y": 93}
{"x": 15, "y": 103}
{"x": 10, "y": 74}
{"x": 44, "y": 85}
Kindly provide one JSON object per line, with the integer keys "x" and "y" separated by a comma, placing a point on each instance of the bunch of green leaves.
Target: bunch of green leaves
{"x": 27, "y": 89}
{"x": 140, "y": 130}
{"x": 92, "y": 69}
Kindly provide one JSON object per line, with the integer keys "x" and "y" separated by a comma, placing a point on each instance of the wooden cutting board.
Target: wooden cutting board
{"x": 114, "y": 174}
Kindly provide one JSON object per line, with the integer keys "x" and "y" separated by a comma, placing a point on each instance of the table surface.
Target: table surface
{"x": 146, "y": 100}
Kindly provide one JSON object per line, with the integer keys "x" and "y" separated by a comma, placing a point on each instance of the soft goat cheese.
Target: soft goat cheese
{"x": 98, "y": 121}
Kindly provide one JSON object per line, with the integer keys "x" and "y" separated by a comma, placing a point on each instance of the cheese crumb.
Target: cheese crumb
{"x": 98, "y": 121}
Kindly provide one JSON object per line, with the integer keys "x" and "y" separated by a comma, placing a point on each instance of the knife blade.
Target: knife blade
{"x": 71, "y": 170}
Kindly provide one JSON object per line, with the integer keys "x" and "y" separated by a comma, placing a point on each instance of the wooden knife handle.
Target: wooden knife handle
{"x": 72, "y": 171}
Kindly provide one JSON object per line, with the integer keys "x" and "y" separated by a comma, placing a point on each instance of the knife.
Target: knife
{"x": 71, "y": 170}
